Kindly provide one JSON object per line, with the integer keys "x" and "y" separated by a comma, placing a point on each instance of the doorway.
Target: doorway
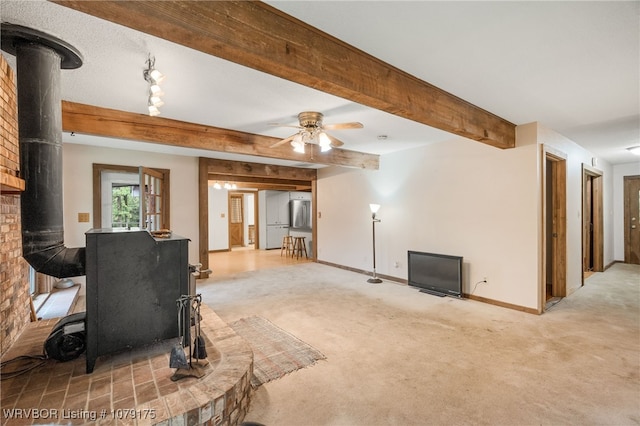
{"x": 130, "y": 197}
{"x": 632, "y": 219}
{"x": 592, "y": 222}
{"x": 236, "y": 220}
{"x": 242, "y": 219}
{"x": 554, "y": 225}
{"x": 247, "y": 175}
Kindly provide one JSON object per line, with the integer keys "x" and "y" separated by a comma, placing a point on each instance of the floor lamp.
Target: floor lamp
{"x": 374, "y": 209}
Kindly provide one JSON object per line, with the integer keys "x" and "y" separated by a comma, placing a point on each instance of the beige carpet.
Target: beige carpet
{"x": 399, "y": 357}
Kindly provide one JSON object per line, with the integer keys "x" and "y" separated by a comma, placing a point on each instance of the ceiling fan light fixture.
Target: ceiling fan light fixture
{"x": 324, "y": 141}
{"x": 298, "y": 146}
{"x": 312, "y": 131}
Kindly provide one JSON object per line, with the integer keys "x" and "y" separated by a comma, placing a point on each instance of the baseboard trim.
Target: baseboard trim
{"x": 611, "y": 264}
{"x": 362, "y": 271}
{"x": 467, "y": 296}
{"x": 502, "y": 304}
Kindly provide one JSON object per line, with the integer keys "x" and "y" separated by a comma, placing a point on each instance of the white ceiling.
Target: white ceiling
{"x": 572, "y": 66}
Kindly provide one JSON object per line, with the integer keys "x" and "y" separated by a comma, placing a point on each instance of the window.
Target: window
{"x": 128, "y": 197}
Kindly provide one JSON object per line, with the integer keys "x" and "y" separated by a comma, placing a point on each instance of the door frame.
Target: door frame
{"x": 556, "y": 179}
{"x": 254, "y": 175}
{"x": 597, "y": 217}
{"x": 626, "y": 219}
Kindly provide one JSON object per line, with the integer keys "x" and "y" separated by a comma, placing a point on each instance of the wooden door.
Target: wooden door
{"x": 554, "y": 185}
{"x": 152, "y": 202}
{"x": 592, "y": 221}
{"x": 632, "y": 219}
{"x": 587, "y": 224}
{"x": 236, "y": 220}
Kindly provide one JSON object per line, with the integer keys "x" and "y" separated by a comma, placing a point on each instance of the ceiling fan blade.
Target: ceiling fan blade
{"x": 284, "y": 125}
{"x": 343, "y": 126}
{"x": 335, "y": 143}
{"x": 283, "y": 141}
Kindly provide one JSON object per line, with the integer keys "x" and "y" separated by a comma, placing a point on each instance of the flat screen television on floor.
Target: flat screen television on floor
{"x": 437, "y": 274}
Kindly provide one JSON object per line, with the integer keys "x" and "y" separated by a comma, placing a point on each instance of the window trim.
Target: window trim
{"x": 97, "y": 191}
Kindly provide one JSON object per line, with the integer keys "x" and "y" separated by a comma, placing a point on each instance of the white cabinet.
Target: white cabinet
{"x": 275, "y": 233}
{"x": 299, "y": 195}
{"x": 277, "y": 207}
{"x": 273, "y": 213}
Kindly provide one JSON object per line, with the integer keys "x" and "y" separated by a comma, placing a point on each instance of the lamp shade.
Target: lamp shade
{"x": 374, "y": 208}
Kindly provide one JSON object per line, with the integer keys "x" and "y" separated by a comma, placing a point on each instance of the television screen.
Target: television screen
{"x": 438, "y": 274}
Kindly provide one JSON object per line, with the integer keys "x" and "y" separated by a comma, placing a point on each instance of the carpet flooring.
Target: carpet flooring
{"x": 399, "y": 357}
{"x": 276, "y": 352}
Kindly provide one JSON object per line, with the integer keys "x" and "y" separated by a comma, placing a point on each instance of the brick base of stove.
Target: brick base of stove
{"x": 134, "y": 383}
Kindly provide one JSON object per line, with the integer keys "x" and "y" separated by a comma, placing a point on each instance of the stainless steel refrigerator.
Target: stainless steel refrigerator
{"x": 300, "y": 215}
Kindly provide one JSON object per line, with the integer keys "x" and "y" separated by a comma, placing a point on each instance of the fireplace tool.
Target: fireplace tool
{"x": 199, "y": 350}
{"x": 189, "y": 369}
{"x": 177, "y": 358}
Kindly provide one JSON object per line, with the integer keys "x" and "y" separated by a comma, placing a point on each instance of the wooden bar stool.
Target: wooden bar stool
{"x": 299, "y": 247}
{"x": 287, "y": 246}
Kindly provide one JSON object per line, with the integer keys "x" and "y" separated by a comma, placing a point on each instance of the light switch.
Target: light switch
{"x": 222, "y": 215}
{"x": 83, "y": 217}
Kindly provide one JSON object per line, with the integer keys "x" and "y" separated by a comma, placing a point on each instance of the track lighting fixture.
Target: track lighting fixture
{"x": 154, "y": 78}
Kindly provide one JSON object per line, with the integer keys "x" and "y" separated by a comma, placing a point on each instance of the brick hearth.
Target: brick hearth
{"x": 131, "y": 384}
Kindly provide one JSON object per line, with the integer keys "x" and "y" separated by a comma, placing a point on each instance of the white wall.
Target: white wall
{"x": 458, "y": 197}
{"x": 461, "y": 198}
{"x": 218, "y": 218}
{"x": 78, "y": 189}
{"x": 619, "y": 172}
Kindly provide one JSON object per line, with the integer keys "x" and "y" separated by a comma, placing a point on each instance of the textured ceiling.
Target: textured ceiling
{"x": 572, "y": 66}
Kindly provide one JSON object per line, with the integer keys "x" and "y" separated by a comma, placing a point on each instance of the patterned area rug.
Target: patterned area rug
{"x": 275, "y": 351}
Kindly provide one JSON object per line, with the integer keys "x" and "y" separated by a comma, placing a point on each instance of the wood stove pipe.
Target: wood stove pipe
{"x": 39, "y": 58}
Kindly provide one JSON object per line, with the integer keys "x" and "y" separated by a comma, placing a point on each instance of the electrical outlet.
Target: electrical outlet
{"x": 485, "y": 280}
{"x": 396, "y": 264}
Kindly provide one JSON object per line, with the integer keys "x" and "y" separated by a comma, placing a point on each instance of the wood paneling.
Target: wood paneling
{"x": 92, "y": 120}
{"x": 258, "y": 36}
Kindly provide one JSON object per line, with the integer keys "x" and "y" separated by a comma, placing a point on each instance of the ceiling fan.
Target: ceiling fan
{"x": 312, "y": 131}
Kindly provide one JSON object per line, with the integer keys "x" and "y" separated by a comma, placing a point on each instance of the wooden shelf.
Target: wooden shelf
{"x": 10, "y": 184}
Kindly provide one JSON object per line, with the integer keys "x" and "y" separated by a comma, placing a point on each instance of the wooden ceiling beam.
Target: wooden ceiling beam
{"x": 240, "y": 169}
{"x": 97, "y": 121}
{"x": 258, "y": 36}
